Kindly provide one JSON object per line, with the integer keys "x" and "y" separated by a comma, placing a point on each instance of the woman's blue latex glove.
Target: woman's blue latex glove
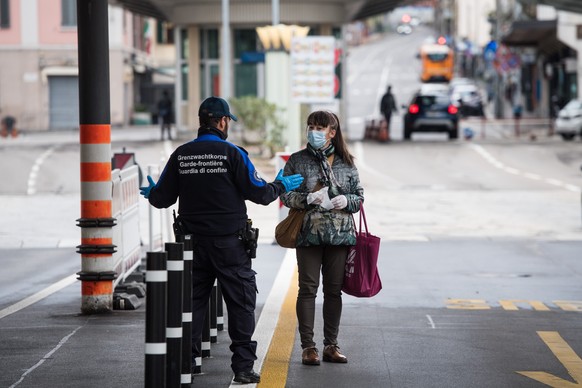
{"x": 145, "y": 190}
{"x": 290, "y": 182}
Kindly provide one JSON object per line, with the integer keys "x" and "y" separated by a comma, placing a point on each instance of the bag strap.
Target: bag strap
{"x": 363, "y": 216}
{"x": 332, "y": 177}
{"x": 318, "y": 185}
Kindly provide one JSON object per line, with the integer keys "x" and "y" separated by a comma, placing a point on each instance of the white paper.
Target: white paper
{"x": 326, "y": 202}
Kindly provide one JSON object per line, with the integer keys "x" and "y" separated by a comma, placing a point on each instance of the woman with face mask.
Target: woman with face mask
{"x": 330, "y": 193}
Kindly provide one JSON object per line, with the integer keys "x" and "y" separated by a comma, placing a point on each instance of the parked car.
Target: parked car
{"x": 404, "y": 29}
{"x": 569, "y": 120}
{"x": 467, "y": 97}
{"x": 433, "y": 88}
{"x": 460, "y": 81}
{"x": 431, "y": 112}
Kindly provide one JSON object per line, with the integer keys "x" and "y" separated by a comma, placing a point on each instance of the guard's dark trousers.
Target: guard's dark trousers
{"x": 224, "y": 258}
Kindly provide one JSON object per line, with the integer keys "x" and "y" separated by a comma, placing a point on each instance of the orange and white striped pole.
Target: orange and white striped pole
{"x": 96, "y": 249}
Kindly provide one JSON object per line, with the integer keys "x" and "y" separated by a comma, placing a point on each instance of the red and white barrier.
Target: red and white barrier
{"x": 125, "y": 209}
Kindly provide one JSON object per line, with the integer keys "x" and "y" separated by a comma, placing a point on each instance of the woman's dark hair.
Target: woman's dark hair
{"x": 325, "y": 118}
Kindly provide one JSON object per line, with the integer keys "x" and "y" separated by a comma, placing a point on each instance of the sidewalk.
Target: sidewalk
{"x": 50, "y": 344}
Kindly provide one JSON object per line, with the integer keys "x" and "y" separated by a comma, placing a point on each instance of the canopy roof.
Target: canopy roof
{"x": 172, "y": 9}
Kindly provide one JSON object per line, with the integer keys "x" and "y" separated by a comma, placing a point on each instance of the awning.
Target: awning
{"x": 562, "y": 5}
{"x": 355, "y": 9}
{"x": 371, "y": 8}
{"x": 141, "y": 7}
{"x": 541, "y": 34}
{"x": 530, "y": 32}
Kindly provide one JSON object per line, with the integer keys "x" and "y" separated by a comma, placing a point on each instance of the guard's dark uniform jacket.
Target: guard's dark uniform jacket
{"x": 213, "y": 178}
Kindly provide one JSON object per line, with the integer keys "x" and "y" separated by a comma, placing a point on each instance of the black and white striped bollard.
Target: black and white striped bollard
{"x": 187, "y": 310}
{"x": 174, "y": 323}
{"x": 155, "y": 326}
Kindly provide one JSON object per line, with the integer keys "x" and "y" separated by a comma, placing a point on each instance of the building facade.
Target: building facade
{"x": 39, "y": 65}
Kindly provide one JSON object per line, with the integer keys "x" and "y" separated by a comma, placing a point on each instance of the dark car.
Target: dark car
{"x": 431, "y": 112}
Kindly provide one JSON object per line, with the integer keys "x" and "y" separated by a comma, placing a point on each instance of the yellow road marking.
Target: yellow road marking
{"x": 510, "y": 304}
{"x": 566, "y": 356}
{"x": 276, "y": 365}
{"x": 467, "y": 304}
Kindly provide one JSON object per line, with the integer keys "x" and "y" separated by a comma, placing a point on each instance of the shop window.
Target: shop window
{"x": 245, "y": 75}
{"x": 185, "y": 72}
{"x": 69, "y": 13}
{"x": 184, "y": 69}
{"x": 244, "y": 40}
{"x": 4, "y": 14}
{"x": 165, "y": 32}
{"x": 209, "y": 44}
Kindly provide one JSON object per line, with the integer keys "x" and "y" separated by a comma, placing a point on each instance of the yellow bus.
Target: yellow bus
{"x": 437, "y": 62}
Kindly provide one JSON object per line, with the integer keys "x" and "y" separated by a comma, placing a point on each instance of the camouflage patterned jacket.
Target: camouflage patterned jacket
{"x": 321, "y": 226}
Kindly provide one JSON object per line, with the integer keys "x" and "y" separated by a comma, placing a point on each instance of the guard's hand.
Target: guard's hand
{"x": 290, "y": 182}
{"x": 339, "y": 202}
{"x": 145, "y": 190}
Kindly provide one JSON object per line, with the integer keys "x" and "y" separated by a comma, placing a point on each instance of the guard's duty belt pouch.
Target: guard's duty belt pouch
{"x": 250, "y": 238}
{"x": 178, "y": 226}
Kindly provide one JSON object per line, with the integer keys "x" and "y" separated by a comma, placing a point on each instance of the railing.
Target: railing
{"x": 125, "y": 209}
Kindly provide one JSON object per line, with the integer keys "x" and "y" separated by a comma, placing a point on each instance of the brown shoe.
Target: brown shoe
{"x": 331, "y": 354}
{"x": 310, "y": 356}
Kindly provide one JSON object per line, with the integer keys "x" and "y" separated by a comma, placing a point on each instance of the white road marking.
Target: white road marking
{"x": 356, "y": 74}
{"x": 31, "y": 190}
{"x": 430, "y": 321}
{"x": 46, "y": 356}
{"x": 359, "y": 154}
{"x": 529, "y": 175}
{"x": 38, "y": 296}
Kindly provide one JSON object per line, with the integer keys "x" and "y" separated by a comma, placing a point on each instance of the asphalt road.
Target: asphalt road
{"x": 480, "y": 259}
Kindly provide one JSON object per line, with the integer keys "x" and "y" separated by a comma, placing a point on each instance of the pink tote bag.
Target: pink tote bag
{"x": 361, "y": 276}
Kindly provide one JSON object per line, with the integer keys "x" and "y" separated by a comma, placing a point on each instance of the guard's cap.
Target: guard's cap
{"x": 215, "y": 107}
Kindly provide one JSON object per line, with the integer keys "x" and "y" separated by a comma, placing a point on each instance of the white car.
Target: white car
{"x": 468, "y": 98}
{"x": 569, "y": 121}
{"x": 434, "y": 88}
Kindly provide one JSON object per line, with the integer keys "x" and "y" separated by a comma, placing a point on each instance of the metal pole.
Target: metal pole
{"x": 155, "y": 325}
{"x": 205, "y": 345}
{"x": 178, "y": 80}
{"x": 219, "y": 308}
{"x": 187, "y": 310}
{"x": 96, "y": 223}
{"x": 213, "y": 313}
{"x": 226, "y": 67}
{"x": 150, "y": 170}
{"x": 498, "y": 79}
{"x": 275, "y": 12}
{"x": 174, "y": 324}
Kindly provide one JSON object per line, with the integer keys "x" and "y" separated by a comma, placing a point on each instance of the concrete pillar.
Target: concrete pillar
{"x": 278, "y": 91}
{"x": 96, "y": 247}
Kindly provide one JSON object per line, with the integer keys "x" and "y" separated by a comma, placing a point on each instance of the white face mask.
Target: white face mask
{"x": 316, "y": 139}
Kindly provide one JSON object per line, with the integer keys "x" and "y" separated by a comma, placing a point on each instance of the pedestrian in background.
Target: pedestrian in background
{"x": 212, "y": 178}
{"x": 387, "y": 106}
{"x": 330, "y": 193}
{"x": 8, "y": 127}
{"x": 165, "y": 114}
